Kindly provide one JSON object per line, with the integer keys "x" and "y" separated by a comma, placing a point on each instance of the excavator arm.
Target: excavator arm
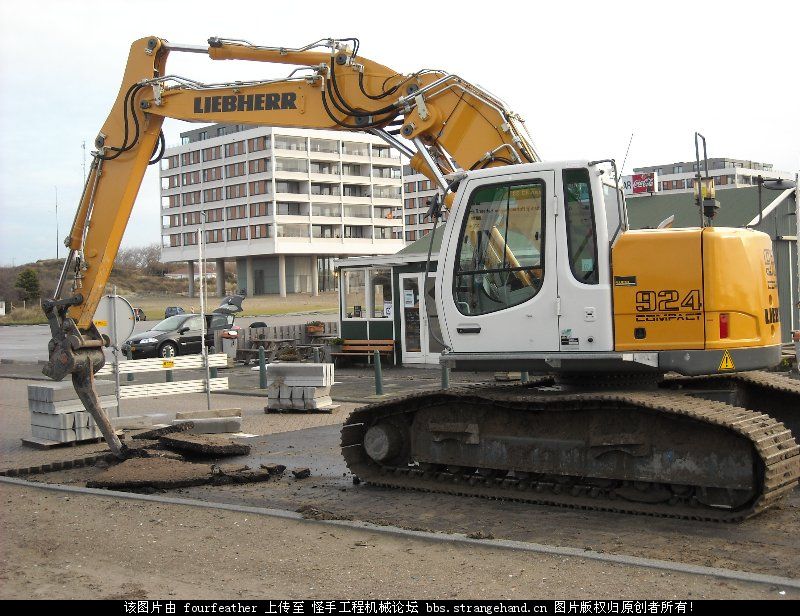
{"x": 453, "y": 124}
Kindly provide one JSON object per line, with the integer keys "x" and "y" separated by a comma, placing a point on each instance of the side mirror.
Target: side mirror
{"x": 183, "y": 330}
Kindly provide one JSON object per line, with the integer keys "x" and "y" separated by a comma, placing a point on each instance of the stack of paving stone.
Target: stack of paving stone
{"x": 299, "y": 386}
{"x": 58, "y": 415}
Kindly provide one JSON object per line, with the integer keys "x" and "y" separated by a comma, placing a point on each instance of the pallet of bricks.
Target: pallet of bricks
{"x": 58, "y": 415}
{"x": 299, "y": 387}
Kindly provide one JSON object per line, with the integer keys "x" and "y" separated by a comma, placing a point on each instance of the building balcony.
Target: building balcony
{"x": 330, "y": 178}
{"x": 291, "y": 197}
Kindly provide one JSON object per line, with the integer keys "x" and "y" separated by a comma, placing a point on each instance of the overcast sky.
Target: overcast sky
{"x": 584, "y": 75}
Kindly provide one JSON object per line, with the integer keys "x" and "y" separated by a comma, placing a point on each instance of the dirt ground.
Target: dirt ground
{"x": 58, "y": 546}
{"x": 79, "y": 546}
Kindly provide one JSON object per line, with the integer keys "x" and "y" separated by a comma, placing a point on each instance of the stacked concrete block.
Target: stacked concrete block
{"x": 57, "y": 414}
{"x": 299, "y": 386}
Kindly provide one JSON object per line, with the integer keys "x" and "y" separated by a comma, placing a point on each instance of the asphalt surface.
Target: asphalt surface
{"x": 29, "y": 342}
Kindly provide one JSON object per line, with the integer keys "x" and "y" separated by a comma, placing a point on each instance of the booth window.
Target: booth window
{"x": 355, "y": 293}
{"x": 381, "y": 296}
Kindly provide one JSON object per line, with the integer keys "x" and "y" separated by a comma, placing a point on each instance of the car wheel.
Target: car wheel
{"x": 167, "y": 350}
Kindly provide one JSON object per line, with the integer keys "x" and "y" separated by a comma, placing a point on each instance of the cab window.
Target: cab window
{"x": 500, "y": 259}
{"x": 581, "y": 233}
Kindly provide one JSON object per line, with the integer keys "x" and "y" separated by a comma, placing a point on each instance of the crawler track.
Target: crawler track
{"x": 775, "y": 454}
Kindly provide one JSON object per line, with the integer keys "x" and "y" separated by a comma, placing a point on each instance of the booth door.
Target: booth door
{"x": 414, "y": 321}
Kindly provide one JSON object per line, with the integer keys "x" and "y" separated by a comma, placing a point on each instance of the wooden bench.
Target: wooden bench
{"x": 365, "y": 348}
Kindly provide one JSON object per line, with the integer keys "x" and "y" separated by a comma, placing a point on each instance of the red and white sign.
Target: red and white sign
{"x": 640, "y": 183}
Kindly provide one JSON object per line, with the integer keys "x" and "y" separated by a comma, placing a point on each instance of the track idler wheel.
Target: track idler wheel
{"x": 383, "y": 442}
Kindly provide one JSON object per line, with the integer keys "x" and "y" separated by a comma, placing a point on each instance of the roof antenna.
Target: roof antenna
{"x": 622, "y": 169}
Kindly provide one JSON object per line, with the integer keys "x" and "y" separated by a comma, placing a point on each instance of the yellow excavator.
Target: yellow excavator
{"x": 645, "y": 345}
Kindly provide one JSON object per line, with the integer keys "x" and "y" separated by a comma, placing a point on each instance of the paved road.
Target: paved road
{"x": 29, "y": 342}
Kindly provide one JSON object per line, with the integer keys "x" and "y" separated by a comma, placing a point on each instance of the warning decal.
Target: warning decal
{"x": 727, "y": 362}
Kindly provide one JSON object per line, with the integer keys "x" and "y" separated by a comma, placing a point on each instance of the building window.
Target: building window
{"x": 192, "y": 177}
{"x": 353, "y": 169}
{"x": 324, "y": 189}
{"x": 259, "y": 187}
{"x": 499, "y": 262}
{"x": 235, "y": 170}
{"x": 381, "y": 292}
{"x": 385, "y": 192}
{"x": 326, "y": 209}
{"x": 410, "y": 204}
{"x": 411, "y": 236}
{"x": 259, "y": 165}
{"x": 172, "y": 181}
{"x": 286, "y": 142}
{"x": 382, "y": 151}
{"x": 173, "y": 161}
{"x": 212, "y": 194}
{"x": 292, "y": 230}
{"x": 213, "y": 153}
{"x": 356, "y": 211}
{"x": 174, "y": 220}
{"x": 411, "y": 187}
{"x": 289, "y": 209}
{"x": 288, "y": 187}
{"x": 353, "y": 190}
{"x": 356, "y": 231}
{"x": 190, "y": 158}
{"x": 355, "y": 149}
{"x": 174, "y": 240}
{"x": 411, "y": 219}
{"x": 355, "y": 293}
{"x": 328, "y": 146}
{"x": 327, "y": 168}
{"x": 257, "y": 144}
{"x": 190, "y": 239}
{"x": 191, "y": 198}
{"x": 581, "y": 233}
{"x": 384, "y": 212}
{"x": 259, "y": 232}
{"x": 259, "y": 209}
{"x": 678, "y": 184}
{"x": 173, "y": 201}
{"x": 236, "y": 191}
{"x": 234, "y": 149}
{"x": 677, "y": 169}
{"x": 382, "y": 233}
{"x": 295, "y": 165}
{"x": 391, "y": 173}
{"x": 235, "y": 212}
{"x": 326, "y": 231}
{"x": 212, "y": 174}
{"x": 722, "y": 180}
{"x": 213, "y": 236}
{"x": 214, "y": 215}
{"x": 666, "y": 185}
{"x": 424, "y": 185}
{"x": 236, "y": 234}
{"x": 191, "y": 218}
{"x": 203, "y": 135}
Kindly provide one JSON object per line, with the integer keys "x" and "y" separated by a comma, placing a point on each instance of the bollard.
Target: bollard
{"x": 445, "y": 376}
{"x": 169, "y": 377}
{"x": 212, "y": 371}
{"x": 129, "y": 376}
{"x": 378, "y": 374}
{"x": 523, "y": 377}
{"x": 262, "y": 368}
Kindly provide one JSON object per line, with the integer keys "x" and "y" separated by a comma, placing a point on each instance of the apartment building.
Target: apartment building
{"x": 727, "y": 173}
{"x": 280, "y": 202}
{"x": 418, "y": 190}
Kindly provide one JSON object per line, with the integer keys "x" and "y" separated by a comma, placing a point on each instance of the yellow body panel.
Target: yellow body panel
{"x": 740, "y": 280}
{"x": 658, "y": 287}
{"x": 671, "y": 285}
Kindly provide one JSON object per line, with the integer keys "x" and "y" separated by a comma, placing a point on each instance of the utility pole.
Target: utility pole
{"x": 57, "y": 242}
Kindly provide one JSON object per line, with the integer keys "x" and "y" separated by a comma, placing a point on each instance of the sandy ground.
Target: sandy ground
{"x": 58, "y": 546}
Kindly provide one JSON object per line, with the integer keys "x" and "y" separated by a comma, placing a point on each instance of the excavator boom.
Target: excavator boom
{"x": 332, "y": 88}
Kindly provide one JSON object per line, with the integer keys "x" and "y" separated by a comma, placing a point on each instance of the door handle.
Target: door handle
{"x": 468, "y": 329}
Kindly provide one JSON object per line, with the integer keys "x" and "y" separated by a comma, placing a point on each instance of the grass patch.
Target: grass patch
{"x": 24, "y": 316}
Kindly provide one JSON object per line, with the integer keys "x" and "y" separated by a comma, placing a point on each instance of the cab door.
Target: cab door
{"x": 498, "y": 288}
